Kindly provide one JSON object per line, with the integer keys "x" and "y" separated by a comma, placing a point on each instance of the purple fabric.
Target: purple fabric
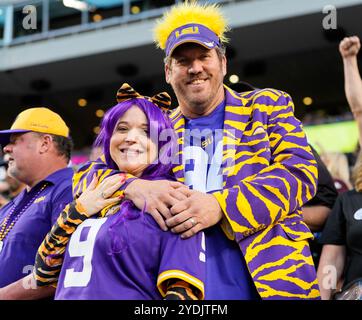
{"x": 191, "y": 32}
{"x": 84, "y": 234}
{"x": 132, "y": 273}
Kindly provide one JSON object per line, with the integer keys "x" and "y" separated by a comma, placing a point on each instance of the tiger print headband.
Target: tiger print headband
{"x": 126, "y": 92}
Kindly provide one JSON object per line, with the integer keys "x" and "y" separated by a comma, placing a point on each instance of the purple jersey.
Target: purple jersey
{"x": 146, "y": 258}
{"x": 227, "y": 274}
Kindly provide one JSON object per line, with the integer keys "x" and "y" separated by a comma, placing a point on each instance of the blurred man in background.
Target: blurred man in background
{"x": 39, "y": 147}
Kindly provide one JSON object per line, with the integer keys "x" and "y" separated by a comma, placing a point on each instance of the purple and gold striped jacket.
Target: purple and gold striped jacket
{"x": 269, "y": 172}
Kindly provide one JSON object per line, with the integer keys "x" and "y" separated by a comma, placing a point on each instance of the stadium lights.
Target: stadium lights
{"x": 307, "y": 101}
{"x": 96, "y": 130}
{"x": 234, "y": 78}
{"x": 97, "y": 18}
{"x": 82, "y": 102}
{"x": 100, "y": 113}
{"x": 135, "y": 9}
{"x": 76, "y": 4}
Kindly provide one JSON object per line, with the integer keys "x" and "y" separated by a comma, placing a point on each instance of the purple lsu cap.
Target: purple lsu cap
{"x": 192, "y": 32}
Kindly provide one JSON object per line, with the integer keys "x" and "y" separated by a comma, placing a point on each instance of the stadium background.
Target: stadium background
{"x": 82, "y": 51}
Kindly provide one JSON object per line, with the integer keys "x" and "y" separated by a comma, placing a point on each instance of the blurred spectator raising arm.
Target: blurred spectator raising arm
{"x": 349, "y": 48}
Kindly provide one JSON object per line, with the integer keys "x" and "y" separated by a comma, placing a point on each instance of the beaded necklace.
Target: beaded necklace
{"x": 5, "y": 227}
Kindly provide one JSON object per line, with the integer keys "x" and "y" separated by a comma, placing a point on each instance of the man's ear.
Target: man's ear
{"x": 46, "y": 143}
{"x": 167, "y": 73}
{"x": 224, "y": 65}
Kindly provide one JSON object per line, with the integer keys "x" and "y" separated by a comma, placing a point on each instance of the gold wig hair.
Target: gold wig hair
{"x": 357, "y": 173}
{"x": 208, "y": 15}
{"x": 337, "y": 165}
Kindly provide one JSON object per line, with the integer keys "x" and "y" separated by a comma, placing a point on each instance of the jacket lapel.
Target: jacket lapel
{"x": 178, "y": 122}
{"x": 236, "y": 118}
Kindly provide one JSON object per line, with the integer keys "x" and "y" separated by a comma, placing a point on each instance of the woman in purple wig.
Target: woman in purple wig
{"x": 104, "y": 248}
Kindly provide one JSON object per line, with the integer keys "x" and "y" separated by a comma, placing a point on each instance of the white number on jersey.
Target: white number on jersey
{"x": 84, "y": 249}
{"x": 202, "y": 256}
{"x": 199, "y": 178}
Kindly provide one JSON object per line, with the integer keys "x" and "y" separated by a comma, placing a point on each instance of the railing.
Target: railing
{"x": 28, "y": 21}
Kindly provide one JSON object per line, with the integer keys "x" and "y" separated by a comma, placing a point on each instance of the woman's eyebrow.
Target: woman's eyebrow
{"x": 126, "y": 122}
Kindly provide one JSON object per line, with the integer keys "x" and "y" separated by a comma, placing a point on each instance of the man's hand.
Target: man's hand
{"x": 197, "y": 212}
{"x": 158, "y": 196}
{"x": 349, "y": 47}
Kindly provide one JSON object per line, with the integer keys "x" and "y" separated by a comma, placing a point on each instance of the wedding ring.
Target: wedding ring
{"x": 193, "y": 222}
{"x": 103, "y": 195}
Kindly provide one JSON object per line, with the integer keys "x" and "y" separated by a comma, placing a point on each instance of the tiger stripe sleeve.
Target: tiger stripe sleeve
{"x": 180, "y": 290}
{"x": 281, "y": 186}
{"x": 49, "y": 258}
{"x": 83, "y": 177}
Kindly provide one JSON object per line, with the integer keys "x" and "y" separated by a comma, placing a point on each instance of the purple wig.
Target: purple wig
{"x": 160, "y": 168}
{"x": 158, "y": 122}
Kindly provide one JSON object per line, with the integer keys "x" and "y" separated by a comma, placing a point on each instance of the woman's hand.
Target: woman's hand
{"x": 98, "y": 196}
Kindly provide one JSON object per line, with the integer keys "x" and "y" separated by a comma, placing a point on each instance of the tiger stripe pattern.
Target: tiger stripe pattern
{"x": 126, "y": 92}
{"x": 50, "y": 254}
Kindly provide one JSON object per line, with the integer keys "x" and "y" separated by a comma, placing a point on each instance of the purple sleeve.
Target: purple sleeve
{"x": 60, "y": 201}
{"x": 182, "y": 259}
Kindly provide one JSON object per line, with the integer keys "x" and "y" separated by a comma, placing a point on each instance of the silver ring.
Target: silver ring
{"x": 193, "y": 222}
{"x": 103, "y": 195}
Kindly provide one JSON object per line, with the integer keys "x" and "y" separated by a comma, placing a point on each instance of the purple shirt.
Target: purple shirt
{"x": 144, "y": 257}
{"x": 22, "y": 242}
{"x": 228, "y": 277}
